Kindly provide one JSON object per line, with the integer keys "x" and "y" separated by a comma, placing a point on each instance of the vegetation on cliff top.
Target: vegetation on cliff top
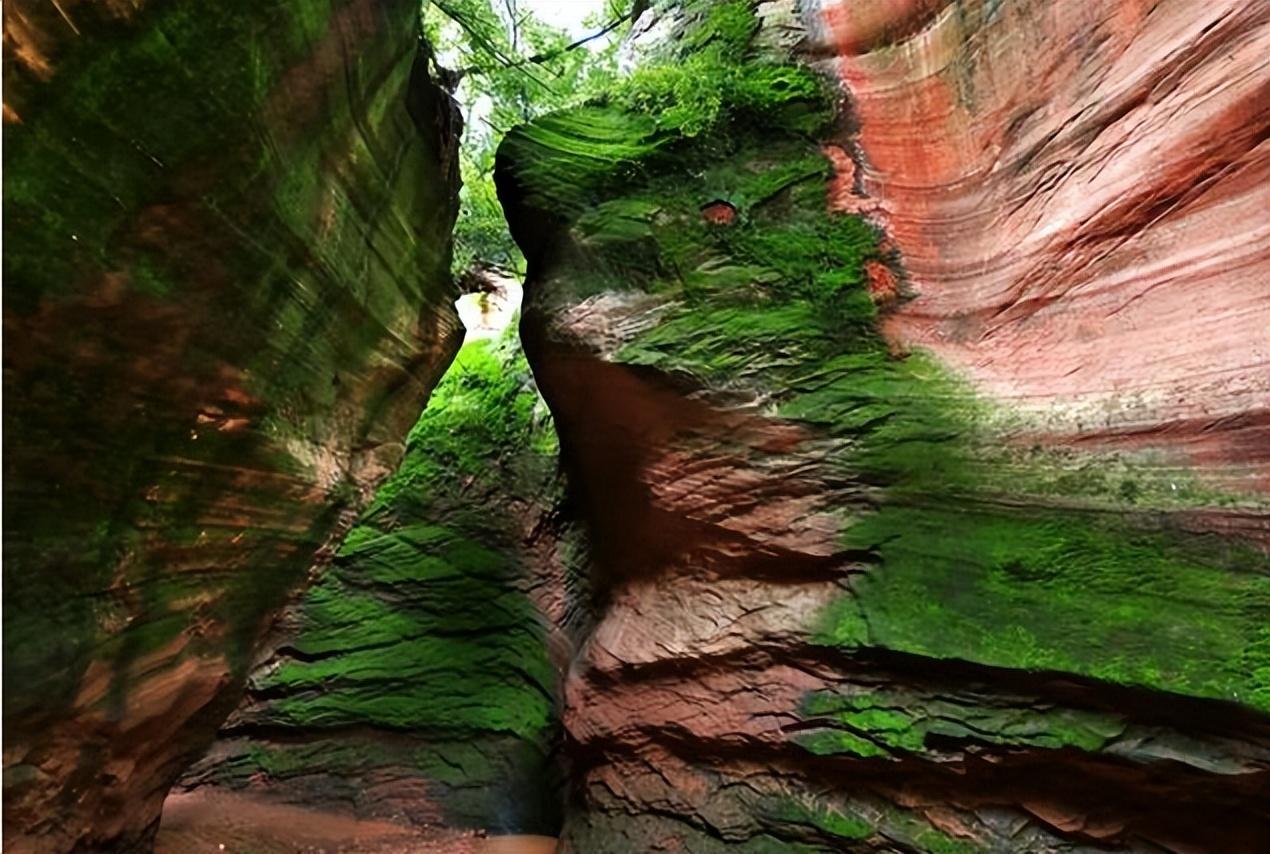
{"x": 506, "y": 67}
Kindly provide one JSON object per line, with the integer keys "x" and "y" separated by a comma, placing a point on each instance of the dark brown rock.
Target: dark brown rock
{"x": 226, "y": 299}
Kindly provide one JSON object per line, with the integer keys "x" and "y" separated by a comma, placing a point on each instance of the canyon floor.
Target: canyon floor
{"x": 202, "y": 822}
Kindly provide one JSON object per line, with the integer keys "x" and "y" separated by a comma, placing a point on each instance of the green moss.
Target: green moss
{"x": 569, "y": 162}
{"x": 422, "y": 624}
{"x": 418, "y": 649}
{"x": 452, "y": 763}
{"x": 843, "y": 826}
{"x": 836, "y": 742}
{"x": 497, "y": 783}
{"x": 1004, "y": 556}
{"x": 936, "y": 842}
{"x": 1053, "y": 590}
{"x": 189, "y": 234}
{"x": 844, "y": 821}
{"x": 827, "y": 819}
{"x": 879, "y": 723}
{"x": 778, "y": 302}
{"x": 80, "y": 194}
{"x": 1256, "y": 663}
{"x": 479, "y": 421}
{"x": 713, "y": 76}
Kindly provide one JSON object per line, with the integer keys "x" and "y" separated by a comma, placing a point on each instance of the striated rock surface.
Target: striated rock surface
{"x": 412, "y": 681}
{"x": 226, "y": 299}
{"x": 1080, "y": 193}
{"x": 908, "y": 360}
{"x": 850, "y": 591}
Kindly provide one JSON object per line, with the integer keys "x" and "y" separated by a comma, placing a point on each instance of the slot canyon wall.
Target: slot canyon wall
{"x": 921, "y": 443}
{"x": 1065, "y": 181}
{"x": 226, "y": 298}
{"x": 416, "y": 679}
{"x": 910, "y": 365}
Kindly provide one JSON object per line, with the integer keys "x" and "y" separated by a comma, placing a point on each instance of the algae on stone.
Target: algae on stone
{"x": 420, "y": 652}
{"x": 959, "y": 549}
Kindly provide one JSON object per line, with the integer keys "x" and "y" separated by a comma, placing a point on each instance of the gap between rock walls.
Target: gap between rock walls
{"x": 414, "y": 682}
{"x": 620, "y": 426}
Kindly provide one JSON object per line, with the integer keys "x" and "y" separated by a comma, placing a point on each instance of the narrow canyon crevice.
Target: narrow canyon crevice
{"x": 878, "y": 463}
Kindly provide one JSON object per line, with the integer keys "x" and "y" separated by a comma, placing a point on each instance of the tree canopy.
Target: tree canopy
{"x": 506, "y": 67}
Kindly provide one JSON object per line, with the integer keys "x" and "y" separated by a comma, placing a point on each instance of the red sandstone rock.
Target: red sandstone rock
{"x": 884, "y": 287}
{"x": 695, "y": 704}
{"x": 719, "y": 213}
{"x": 1081, "y": 194}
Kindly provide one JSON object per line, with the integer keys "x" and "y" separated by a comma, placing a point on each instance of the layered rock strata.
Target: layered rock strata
{"x": 839, "y": 603}
{"x": 919, "y": 437}
{"x": 412, "y": 681}
{"x": 226, "y": 299}
{"x": 1080, "y": 192}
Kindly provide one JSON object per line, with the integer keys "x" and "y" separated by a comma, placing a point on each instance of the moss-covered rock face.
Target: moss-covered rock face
{"x": 226, "y": 299}
{"x": 841, "y": 601}
{"x": 412, "y": 680}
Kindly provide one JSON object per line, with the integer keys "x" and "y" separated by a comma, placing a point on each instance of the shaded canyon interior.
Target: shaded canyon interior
{"x": 880, "y": 462}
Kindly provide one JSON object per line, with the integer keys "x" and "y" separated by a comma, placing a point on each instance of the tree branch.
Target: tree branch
{"x": 540, "y": 58}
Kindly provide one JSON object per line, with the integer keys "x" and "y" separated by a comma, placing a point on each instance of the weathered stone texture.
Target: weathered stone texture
{"x": 226, "y": 244}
